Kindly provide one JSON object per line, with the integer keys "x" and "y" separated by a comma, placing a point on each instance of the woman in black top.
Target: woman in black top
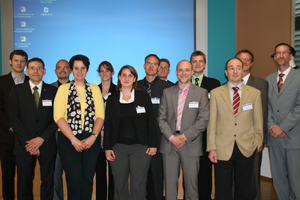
{"x": 106, "y": 71}
{"x": 130, "y": 138}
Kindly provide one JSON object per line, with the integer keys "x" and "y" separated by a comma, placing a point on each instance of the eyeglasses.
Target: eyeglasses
{"x": 284, "y": 53}
{"x": 164, "y": 67}
{"x": 246, "y": 59}
{"x": 60, "y": 67}
{"x": 153, "y": 64}
{"x": 36, "y": 68}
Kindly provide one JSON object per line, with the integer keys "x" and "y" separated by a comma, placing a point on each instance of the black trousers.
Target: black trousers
{"x": 239, "y": 167}
{"x": 25, "y": 171}
{"x": 101, "y": 180}
{"x": 79, "y": 166}
{"x": 8, "y": 167}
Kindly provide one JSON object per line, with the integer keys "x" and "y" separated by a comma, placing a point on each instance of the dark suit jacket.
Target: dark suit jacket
{"x": 112, "y": 89}
{"x": 144, "y": 122}
{"x": 29, "y": 122}
{"x": 6, "y": 83}
{"x": 209, "y": 83}
{"x": 156, "y": 92}
{"x": 261, "y": 85}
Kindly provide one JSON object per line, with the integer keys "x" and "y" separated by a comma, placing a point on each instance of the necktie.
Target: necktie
{"x": 236, "y": 100}
{"x": 181, "y": 101}
{"x": 149, "y": 89}
{"x": 36, "y": 96}
{"x": 280, "y": 82}
{"x": 197, "y": 82}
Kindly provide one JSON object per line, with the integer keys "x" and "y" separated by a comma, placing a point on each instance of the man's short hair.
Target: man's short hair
{"x": 18, "y": 52}
{"x": 245, "y": 51}
{"x": 280, "y": 44}
{"x": 232, "y": 59}
{"x": 85, "y": 60}
{"x": 36, "y": 59}
{"x": 154, "y": 55}
{"x": 165, "y": 60}
{"x": 198, "y": 53}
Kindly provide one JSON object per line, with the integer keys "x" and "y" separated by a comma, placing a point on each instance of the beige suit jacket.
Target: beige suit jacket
{"x": 224, "y": 129}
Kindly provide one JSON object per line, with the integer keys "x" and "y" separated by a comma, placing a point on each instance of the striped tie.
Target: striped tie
{"x": 197, "y": 82}
{"x": 181, "y": 102}
{"x": 236, "y": 100}
{"x": 280, "y": 82}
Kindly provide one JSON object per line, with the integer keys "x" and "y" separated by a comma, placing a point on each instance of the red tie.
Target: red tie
{"x": 280, "y": 82}
{"x": 236, "y": 100}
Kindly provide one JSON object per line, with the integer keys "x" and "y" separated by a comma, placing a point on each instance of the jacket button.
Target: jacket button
{"x": 234, "y": 135}
{"x": 277, "y": 110}
{"x": 235, "y": 123}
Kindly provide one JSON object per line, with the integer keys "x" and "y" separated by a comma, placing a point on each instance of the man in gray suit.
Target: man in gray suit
{"x": 182, "y": 117}
{"x": 62, "y": 71}
{"x": 284, "y": 125}
{"x": 247, "y": 58}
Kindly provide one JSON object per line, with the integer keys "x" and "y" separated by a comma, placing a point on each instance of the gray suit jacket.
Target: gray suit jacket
{"x": 284, "y": 109}
{"x": 194, "y": 120}
{"x": 262, "y": 86}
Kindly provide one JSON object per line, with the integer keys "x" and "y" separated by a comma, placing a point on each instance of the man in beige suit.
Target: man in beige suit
{"x": 235, "y": 131}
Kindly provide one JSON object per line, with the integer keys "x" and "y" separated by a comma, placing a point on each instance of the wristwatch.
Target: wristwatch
{"x": 94, "y": 134}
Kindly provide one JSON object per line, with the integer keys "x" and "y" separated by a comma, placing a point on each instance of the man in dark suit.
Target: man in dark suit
{"x": 198, "y": 61}
{"x": 154, "y": 86}
{"x": 234, "y": 133}
{"x": 247, "y": 58}
{"x": 31, "y": 117}
{"x": 164, "y": 69}
{"x": 284, "y": 125}
{"x": 62, "y": 71}
{"x": 17, "y": 61}
{"x": 182, "y": 117}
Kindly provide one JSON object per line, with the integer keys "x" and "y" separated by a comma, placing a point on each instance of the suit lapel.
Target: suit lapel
{"x": 117, "y": 104}
{"x": 287, "y": 81}
{"x": 30, "y": 96}
{"x": 175, "y": 98}
{"x": 244, "y": 97}
{"x": 226, "y": 96}
{"x": 250, "y": 80}
{"x": 10, "y": 79}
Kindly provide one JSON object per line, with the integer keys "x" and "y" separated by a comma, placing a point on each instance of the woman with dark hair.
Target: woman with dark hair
{"x": 106, "y": 71}
{"x": 79, "y": 114}
{"x": 130, "y": 138}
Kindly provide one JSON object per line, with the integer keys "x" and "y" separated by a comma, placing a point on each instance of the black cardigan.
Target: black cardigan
{"x": 144, "y": 122}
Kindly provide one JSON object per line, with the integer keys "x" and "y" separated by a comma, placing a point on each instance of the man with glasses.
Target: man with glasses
{"x": 247, "y": 58}
{"x": 284, "y": 125}
{"x": 154, "y": 87}
{"x": 62, "y": 72}
{"x": 17, "y": 61}
{"x": 164, "y": 69}
{"x": 31, "y": 117}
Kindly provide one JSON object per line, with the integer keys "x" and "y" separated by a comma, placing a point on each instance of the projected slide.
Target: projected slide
{"x": 121, "y": 32}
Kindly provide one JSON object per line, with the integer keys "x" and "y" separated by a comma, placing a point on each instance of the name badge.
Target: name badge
{"x": 106, "y": 96}
{"x": 47, "y": 103}
{"x": 155, "y": 100}
{"x": 140, "y": 110}
{"x": 193, "y": 105}
{"x": 247, "y": 107}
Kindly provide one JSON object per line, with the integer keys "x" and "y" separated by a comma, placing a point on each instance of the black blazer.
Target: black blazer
{"x": 156, "y": 92}
{"x": 209, "y": 83}
{"x": 112, "y": 89}
{"x": 6, "y": 83}
{"x": 144, "y": 122}
{"x": 28, "y": 121}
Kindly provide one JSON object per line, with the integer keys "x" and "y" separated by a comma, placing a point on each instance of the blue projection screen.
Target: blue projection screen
{"x": 121, "y": 32}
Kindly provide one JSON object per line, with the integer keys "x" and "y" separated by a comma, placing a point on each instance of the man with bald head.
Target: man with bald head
{"x": 234, "y": 133}
{"x": 182, "y": 117}
{"x": 62, "y": 72}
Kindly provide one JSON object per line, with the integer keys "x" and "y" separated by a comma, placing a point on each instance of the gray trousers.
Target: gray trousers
{"x": 190, "y": 168}
{"x": 131, "y": 161}
{"x": 285, "y": 171}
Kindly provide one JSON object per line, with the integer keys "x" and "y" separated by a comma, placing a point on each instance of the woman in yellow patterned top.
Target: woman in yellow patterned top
{"x": 79, "y": 114}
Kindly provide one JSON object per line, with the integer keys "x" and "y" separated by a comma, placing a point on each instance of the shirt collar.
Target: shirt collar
{"x": 184, "y": 87}
{"x": 130, "y": 100}
{"x": 152, "y": 83}
{"x": 230, "y": 85}
{"x": 21, "y": 80}
{"x": 286, "y": 72}
{"x": 246, "y": 78}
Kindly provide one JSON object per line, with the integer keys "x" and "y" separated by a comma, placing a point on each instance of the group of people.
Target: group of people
{"x": 148, "y": 129}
